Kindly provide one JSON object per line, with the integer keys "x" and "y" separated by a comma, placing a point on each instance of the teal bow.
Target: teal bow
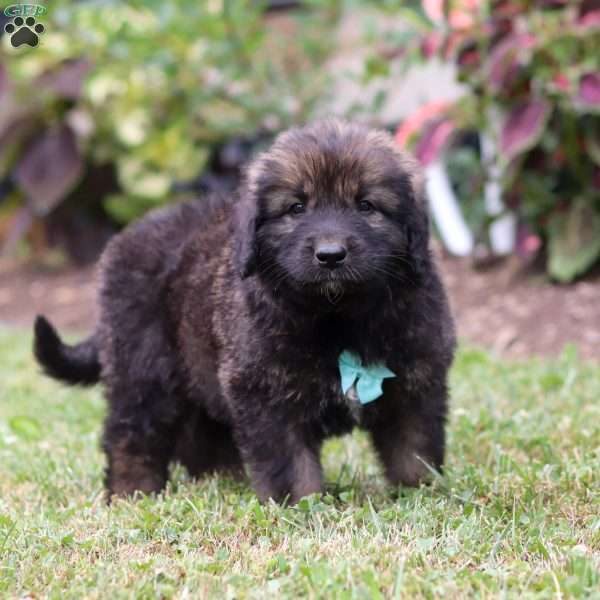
{"x": 368, "y": 379}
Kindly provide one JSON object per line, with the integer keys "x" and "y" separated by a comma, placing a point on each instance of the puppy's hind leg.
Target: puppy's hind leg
{"x": 206, "y": 446}
{"x": 139, "y": 437}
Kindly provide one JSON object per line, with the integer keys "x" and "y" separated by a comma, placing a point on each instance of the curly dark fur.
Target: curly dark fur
{"x": 220, "y": 331}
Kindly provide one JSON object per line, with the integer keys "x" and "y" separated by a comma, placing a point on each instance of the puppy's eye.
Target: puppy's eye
{"x": 365, "y": 206}
{"x": 298, "y": 208}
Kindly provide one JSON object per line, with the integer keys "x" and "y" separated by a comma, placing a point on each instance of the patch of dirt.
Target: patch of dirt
{"x": 502, "y": 308}
{"x": 516, "y": 313}
{"x": 66, "y": 296}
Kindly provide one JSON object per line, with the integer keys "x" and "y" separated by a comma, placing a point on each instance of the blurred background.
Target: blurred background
{"x": 117, "y": 108}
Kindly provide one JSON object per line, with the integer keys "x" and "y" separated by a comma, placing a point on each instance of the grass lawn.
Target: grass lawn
{"x": 517, "y": 513}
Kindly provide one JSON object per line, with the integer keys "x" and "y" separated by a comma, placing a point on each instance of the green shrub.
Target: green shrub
{"x": 150, "y": 88}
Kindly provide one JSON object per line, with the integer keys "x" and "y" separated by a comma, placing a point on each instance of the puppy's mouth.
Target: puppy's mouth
{"x": 333, "y": 290}
{"x": 334, "y": 286}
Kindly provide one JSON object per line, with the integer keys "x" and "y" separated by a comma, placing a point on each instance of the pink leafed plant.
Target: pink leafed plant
{"x": 531, "y": 71}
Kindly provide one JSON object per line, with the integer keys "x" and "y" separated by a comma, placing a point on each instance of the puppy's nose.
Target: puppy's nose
{"x": 330, "y": 254}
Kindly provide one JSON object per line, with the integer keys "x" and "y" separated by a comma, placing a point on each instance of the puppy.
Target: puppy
{"x": 239, "y": 334}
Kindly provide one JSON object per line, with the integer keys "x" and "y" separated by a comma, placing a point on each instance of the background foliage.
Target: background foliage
{"x": 127, "y": 102}
{"x": 531, "y": 71}
{"x": 124, "y": 107}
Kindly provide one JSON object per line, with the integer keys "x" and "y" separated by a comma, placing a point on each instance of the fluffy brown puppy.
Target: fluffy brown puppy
{"x": 222, "y": 322}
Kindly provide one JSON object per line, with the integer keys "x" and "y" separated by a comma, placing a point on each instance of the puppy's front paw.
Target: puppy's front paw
{"x": 410, "y": 470}
{"x": 125, "y": 488}
{"x": 287, "y": 475}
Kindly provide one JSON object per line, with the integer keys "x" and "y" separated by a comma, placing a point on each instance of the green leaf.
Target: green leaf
{"x": 372, "y": 582}
{"x": 127, "y": 207}
{"x": 376, "y": 66}
{"x": 132, "y": 128}
{"x": 574, "y": 244}
{"x": 140, "y": 180}
{"x": 27, "y": 428}
{"x": 416, "y": 17}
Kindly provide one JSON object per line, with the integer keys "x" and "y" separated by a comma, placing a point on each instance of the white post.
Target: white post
{"x": 446, "y": 212}
{"x": 503, "y": 230}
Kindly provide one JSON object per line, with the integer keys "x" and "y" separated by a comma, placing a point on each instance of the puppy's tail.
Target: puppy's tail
{"x": 77, "y": 364}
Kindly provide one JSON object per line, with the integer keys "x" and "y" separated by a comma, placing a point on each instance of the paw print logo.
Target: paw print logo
{"x": 24, "y": 31}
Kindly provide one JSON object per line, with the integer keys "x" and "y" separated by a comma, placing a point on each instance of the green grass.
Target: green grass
{"x": 517, "y": 513}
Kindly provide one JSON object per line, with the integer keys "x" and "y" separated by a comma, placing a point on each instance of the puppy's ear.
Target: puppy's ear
{"x": 245, "y": 233}
{"x": 419, "y": 254}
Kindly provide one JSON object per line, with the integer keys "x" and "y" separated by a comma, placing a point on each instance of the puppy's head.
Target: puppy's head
{"x": 333, "y": 209}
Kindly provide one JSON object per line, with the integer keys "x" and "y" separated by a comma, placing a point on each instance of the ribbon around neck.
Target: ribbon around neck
{"x": 368, "y": 380}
